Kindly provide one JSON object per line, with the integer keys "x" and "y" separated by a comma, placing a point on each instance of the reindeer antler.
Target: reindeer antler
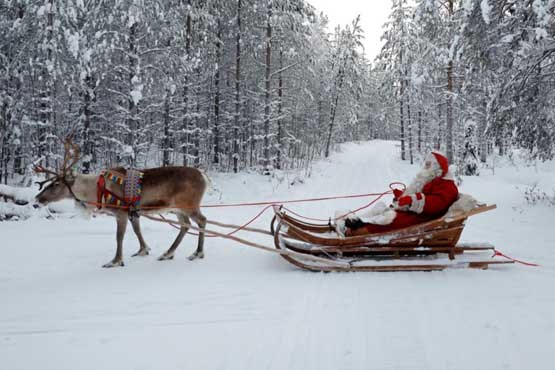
{"x": 71, "y": 157}
{"x": 41, "y": 169}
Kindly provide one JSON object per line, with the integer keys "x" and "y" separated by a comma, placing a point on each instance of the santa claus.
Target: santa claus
{"x": 429, "y": 196}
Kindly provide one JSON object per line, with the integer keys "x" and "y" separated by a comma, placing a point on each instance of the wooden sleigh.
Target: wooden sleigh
{"x": 428, "y": 246}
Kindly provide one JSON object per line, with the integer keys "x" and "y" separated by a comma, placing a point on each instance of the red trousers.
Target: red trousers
{"x": 403, "y": 219}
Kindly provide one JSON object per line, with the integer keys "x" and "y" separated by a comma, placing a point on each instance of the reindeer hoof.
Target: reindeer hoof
{"x": 195, "y": 255}
{"x": 113, "y": 264}
{"x": 165, "y": 257}
{"x": 141, "y": 253}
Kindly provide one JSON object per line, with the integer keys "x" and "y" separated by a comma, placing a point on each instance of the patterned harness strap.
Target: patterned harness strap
{"x": 131, "y": 189}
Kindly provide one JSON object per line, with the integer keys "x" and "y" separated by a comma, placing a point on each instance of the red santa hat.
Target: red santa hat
{"x": 442, "y": 161}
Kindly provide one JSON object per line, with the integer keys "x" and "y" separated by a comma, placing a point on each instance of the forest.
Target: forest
{"x": 266, "y": 85}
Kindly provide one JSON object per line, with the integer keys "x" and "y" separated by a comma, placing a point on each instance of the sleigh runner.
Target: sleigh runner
{"x": 427, "y": 246}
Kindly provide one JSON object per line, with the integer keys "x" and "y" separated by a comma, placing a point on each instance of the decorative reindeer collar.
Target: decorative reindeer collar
{"x": 131, "y": 184}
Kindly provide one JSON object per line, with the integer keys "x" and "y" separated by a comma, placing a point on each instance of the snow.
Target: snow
{"x": 241, "y": 308}
{"x": 507, "y": 39}
{"x": 467, "y": 6}
{"x": 486, "y": 10}
{"x": 544, "y": 16}
{"x": 540, "y": 8}
{"x": 87, "y": 55}
{"x": 25, "y": 194}
{"x": 137, "y": 91}
{"x": 41, "y": 11}
{"x": 73, "y": 43}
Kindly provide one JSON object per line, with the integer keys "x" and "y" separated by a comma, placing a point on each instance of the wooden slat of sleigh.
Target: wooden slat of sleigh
{"x": 424, "y": 230}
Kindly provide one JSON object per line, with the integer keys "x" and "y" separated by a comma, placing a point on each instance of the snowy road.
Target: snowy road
{"x": 241, "y": 308}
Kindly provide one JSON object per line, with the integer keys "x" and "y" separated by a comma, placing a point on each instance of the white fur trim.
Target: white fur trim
{"x": 449, "y": 176}
{"x": 340, "y": 227}
{"x": 465, "y": 203}
{"x": 417, "y": 205}
{"x": 380, "y": 214}
{"x": 339, "y": 224}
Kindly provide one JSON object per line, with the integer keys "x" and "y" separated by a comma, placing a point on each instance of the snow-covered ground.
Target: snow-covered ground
{"x": 242, "y": 308}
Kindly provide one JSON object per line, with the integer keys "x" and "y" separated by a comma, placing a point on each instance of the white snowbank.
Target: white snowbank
{"x": 241, "y": 308}
{"x": 25, "y": 206}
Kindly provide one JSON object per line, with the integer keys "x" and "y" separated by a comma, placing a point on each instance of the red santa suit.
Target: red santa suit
{"x": 429, "y": 196}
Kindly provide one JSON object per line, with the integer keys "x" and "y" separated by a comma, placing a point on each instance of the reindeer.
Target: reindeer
{"x": 175, "y": 189}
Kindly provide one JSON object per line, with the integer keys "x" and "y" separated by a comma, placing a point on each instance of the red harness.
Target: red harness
{"x": 103, "y": 194}
{"x": 106, "y": 196}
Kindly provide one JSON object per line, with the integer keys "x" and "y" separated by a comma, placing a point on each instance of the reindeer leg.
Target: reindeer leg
{"x": 121, "y": 219}
{"x": 201, "y": 222}
{"x": 169, "y": 253}
{"x": 143, "y": 250}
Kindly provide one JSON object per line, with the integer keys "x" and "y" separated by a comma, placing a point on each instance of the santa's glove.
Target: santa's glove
{"x": 353, "y": 223}
{"x": 397, "y": 193}
{"x": 405, "y": 201}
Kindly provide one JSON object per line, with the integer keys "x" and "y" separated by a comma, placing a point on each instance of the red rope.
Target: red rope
{"x": 251, "y": 221}
{"x": 339, "y": 217}
{"x": 379, "y": 196}
{"x": 246, "y": 204}
{"x": 497, "y": 253}
{"x": 270, "y": 204}
{"x": 231, "y": 232}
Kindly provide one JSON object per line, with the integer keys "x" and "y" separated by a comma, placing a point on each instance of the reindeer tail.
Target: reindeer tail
{"x": 207, "y": 181}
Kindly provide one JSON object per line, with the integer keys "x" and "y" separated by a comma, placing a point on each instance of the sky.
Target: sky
{"x": 373, "y": 15}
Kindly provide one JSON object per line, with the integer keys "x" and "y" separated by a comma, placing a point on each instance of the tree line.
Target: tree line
{"x": 264, "y": 85}
{"x": 225, "y": 85}
{"x": 469, "y": 77}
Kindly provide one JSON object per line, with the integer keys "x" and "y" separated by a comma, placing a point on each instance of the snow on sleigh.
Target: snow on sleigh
{"x": 429, "y": 246}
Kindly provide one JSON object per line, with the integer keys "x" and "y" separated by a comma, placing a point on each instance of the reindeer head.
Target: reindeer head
{"x": 61, "y": 180}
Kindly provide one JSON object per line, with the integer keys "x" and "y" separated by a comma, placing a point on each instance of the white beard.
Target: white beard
{"x": 422, "y": 178}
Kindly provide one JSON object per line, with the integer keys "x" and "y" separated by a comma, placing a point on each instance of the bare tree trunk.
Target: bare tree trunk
{"x": 216, "y": 159}
{"x": 449, "y": 113}
{"x": 237, "y": 89}
{"x": 340, "y": 78}
{"x": 280, "y": 107}
{"x": 166, "y": 143}
{"x": 185, "y": 124}
{"x": 249, "y": 140}
{"x": 4, "y": 141}
{"x": 10, "y": 139}
{"x": 401, "y": 111}
{"x": 483, "y": 142}
{"x": 132, "y": 107}
{"x": 419, "y": 131}
{"x": 402, "y": 121}
{"x": 482, "y": 136}
{"x": 46, "y": 96}
{"x": 88, "y": 146}
{"x": 409, "y": 129}
{"x": 439, "y": 129}
{"x": 197, "y": 131}
{"x": 267, "y": 96}
{"x": 18, "y": 161}
{"x": 320, "y": 112}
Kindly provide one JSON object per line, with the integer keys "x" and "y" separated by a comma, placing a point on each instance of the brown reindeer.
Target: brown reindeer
{"x": 175, "y": 189}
